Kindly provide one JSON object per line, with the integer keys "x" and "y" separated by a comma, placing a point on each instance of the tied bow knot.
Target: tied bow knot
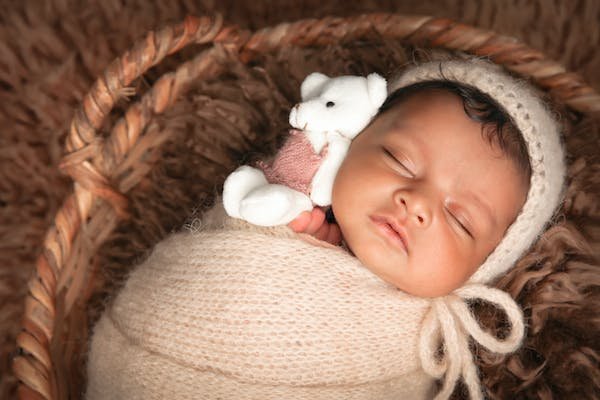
{"x": 450, "y": 319}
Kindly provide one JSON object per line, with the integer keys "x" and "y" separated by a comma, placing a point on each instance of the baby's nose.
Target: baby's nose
{"x": 415, "y": 207}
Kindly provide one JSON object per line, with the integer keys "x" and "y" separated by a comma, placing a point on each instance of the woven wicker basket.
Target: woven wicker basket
{"x": 105, "y": 169}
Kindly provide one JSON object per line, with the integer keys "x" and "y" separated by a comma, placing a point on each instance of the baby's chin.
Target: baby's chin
{"x": 381, "y": 264}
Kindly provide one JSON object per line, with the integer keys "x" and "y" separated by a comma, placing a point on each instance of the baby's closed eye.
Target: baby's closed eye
{"x": 461, "y": 222}
{"x": 397, "y": 163}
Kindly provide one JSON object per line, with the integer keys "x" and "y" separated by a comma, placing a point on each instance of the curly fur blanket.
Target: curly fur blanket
{"x": 51, "y": 52}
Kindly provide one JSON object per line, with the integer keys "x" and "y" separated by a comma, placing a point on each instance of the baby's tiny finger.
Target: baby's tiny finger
{"x": 317, "y": 219}
{"x": 301, "y": 222}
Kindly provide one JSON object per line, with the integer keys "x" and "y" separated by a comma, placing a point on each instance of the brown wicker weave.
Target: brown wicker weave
{"x": 103, "y": 169}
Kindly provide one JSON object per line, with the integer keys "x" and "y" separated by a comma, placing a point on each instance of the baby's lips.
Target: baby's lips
{"x": 395, "y": 226}
{"x": 400, "y": 231}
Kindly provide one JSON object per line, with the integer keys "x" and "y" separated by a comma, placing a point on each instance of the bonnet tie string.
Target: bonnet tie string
{"x": 450, "y": 320}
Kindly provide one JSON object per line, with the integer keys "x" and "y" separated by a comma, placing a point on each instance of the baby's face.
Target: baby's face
{"x": 422, "y": 198}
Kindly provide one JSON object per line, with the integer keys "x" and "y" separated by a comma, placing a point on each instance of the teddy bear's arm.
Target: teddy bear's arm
{"x": 322, "y": 183}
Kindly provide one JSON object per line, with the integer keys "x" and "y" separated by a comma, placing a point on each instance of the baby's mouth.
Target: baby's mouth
{"x": 392, "y": 231}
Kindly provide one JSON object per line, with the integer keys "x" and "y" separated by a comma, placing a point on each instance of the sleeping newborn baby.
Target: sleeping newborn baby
{"x": 418, "y": 198}
{"x": 456, "y": 176}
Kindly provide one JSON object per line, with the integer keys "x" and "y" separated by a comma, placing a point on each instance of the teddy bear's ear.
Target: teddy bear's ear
{"x": 312, "y": 84}
{"x": 377, "y": 89}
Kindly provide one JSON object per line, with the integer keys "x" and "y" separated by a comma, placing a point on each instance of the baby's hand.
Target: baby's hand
{"x": 314, "y": 224}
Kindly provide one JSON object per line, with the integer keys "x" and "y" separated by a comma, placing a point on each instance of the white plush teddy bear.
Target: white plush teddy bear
{"x": 332, "y": 112}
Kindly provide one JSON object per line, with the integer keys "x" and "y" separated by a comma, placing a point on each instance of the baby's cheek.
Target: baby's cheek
{"x": 444, "y": 265}
{"x": 341, "y": 200}
{"x": 464, "y": 264}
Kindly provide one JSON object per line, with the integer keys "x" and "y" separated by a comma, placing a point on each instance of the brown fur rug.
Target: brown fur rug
{"x": 51, "y": 51}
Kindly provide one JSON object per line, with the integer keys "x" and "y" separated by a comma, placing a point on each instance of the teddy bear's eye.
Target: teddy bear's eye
{"x": 329, "y": 104}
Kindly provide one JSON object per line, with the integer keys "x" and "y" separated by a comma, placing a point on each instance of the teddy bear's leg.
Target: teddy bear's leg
{"x": 273, "y": 204}
{"x": 237, "y": 186}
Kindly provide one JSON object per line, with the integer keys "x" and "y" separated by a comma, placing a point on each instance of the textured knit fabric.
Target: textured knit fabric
{"x": 241, "y": 312}
{"x": 295, "y": 163}
{"x": 541, "y": 134}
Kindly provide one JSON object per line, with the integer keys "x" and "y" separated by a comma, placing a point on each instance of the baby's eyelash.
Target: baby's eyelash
{"x": 462, "y": 226}
{"x": 395, "y": 159}
{"x": 389, "y": 154}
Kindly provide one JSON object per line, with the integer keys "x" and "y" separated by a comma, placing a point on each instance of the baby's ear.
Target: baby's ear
{"x": 312, "y": 85}
{"x": 377, "y": 89}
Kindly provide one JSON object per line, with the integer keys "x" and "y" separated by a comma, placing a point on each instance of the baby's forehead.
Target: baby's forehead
{"x": 432, "y": 116}
{"x": 421, "y": 107}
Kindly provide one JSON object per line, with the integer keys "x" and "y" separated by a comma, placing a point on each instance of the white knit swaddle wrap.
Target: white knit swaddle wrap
{"x": 243, "y": 312}
{"x": 251, "y": 313}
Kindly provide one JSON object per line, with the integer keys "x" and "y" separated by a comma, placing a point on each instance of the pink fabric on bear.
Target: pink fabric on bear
{"x": 295, "y": 163}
